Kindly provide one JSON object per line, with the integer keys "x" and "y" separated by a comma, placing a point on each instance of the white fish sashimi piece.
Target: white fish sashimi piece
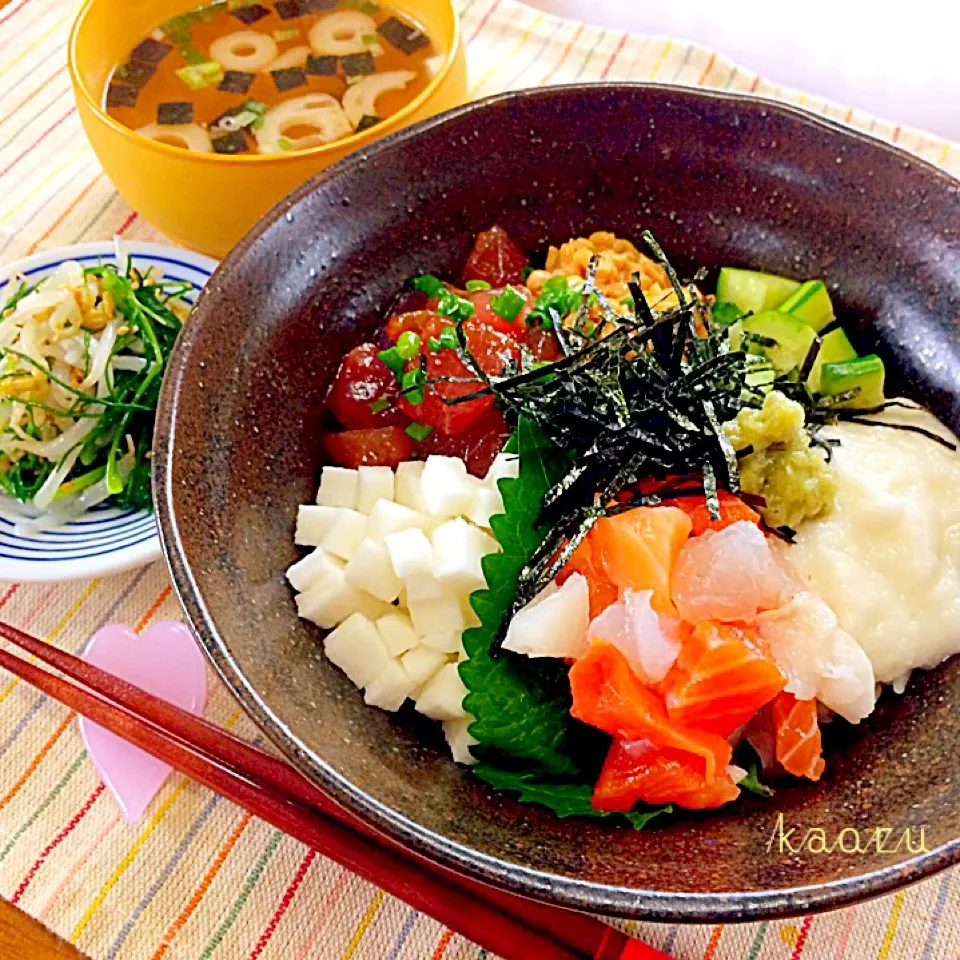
{"x": 729, "y": 574}
{"x": 818, "y": 658}
{"x": 647, "y": 639}
{"x": 554, "y": 623}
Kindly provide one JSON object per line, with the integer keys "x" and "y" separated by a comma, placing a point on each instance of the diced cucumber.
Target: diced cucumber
{"x": 753, "y": 291}
{"x": 783, "y": 339}
{"x": 834, "y": 348}
{"x": 810, "y": 302}
{"x": 865, "y": 375}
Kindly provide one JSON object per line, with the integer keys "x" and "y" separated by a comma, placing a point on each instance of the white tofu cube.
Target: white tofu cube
{"x": 370, "y": 569}
{"x": 388, "y": 517}
{"x": 505, "y": 466}
{"x": 458, "y": 548}
{"x": 391, "y": 687}
{"x": 338, "y": 488}
{"x": 397, "y": 633}
{"x": 442, "y": 696}
{"x": 410, "y": 553}
{"x": 446, "y": 642}
{"x": 446, "y": 486}
{"x": 436, "y": 615}
{"x": 356, "y": 648}
{"x": 486, "y": 503}
{"x": 313, "y": 522}
{"x": 421, "y": 663}
{"x": 374, "y": 483}
{"x": 424, "y": 587}
{"x": 457, "y": 733}
{"x": 345, "y": 533}
{"x": 407, "y": 485}
{"x": 313, "y": 569}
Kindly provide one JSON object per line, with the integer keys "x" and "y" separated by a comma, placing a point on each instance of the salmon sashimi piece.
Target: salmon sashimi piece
{"x": 607, "y": 694}
{"x": 798, "y": 742}
{"x": 585, "y": 560}
{"x": 638, "y": 549}
{"x": 636, "y": 770}
{"x": 732, "y": 509}
{"x": 721, "y": 678}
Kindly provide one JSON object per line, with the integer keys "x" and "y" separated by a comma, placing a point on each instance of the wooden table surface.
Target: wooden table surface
{"x": 22, "y": 936}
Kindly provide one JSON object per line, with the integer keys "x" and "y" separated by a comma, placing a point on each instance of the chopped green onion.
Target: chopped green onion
{"x": 411, "y": 385}
{"x": 369, "y": 39}
{"x": 391, "y": 357}
{"x": 473, "y": 285}
{"x": 429, "y": 285}
{"x": 557, "y": 297}
{"x": 589, "y": 328}
{"x": 408, "y": 344}
{"x": 379, "y": 405}
{"x": 418, "y": 431}
{"x": 454, "y": 307}
{"x": 508, "y": 304}
{"x": 446, "y": 341}
{"x": 199, "y": 75}
{"x": 284, "y": 144}
{"x": 525, "y": 273}
{"x": 628, "y": 301}
{"x": 289, "y": 33}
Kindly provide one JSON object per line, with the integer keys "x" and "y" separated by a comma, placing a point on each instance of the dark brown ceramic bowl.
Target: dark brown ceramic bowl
{"x": 720, "y": 179}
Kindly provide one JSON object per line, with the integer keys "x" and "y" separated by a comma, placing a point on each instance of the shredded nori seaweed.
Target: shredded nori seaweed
{"x": 150, "y": 51}
{"x": 367, "y": 121}
{"x": 121, "y": 95}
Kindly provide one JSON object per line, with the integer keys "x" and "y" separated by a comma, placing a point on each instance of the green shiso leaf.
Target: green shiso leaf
{"x": 522, "y": 708}
{"x": 752, "y": 783}
{"x": 563, "y": 798}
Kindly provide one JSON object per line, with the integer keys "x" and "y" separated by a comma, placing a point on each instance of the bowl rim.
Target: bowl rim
{"x": 148, "y": 550}
{"x": 354, "y": 142}
{"x": 575, "y": 893}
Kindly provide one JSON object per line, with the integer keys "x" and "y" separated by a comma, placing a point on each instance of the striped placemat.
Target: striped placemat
{"x": 198, "y": 878}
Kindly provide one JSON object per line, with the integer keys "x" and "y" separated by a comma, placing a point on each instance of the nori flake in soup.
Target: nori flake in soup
{"x": 136, "y": 72}
{"x": 150, "y": 51}
{"x": 322, "y": 66}
{"x": 179, "y": 111}
{"x": 406, "y": 38}
{"x": 289, "y": 79}
{"x": 358, "y": 64}
{"x": 236, "y": 81}
{"x": 367, "y": 121}
{"x": 121, "y": 95}
{"x": 235, "y": 142}
{"x": 289, "y": 9}
{"x": 250, "y": 13}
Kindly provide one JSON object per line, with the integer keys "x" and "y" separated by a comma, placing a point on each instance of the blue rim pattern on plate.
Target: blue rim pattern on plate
{"x": 105, "y": 540}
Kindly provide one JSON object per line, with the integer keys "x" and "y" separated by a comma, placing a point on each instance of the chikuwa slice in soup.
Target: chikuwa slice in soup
{"x": 244, "y": 77}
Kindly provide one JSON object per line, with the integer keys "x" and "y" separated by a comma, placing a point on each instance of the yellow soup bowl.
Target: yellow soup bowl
{"x": 208, "y": 201}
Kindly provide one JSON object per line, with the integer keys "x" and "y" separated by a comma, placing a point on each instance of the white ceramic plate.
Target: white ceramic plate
{"x": 105, "y": 540}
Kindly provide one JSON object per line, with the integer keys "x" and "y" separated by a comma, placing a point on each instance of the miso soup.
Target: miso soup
{"x": 238, "y": 76}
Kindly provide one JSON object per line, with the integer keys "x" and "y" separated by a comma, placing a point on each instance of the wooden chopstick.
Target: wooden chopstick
{"x": 503, "y": 922}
